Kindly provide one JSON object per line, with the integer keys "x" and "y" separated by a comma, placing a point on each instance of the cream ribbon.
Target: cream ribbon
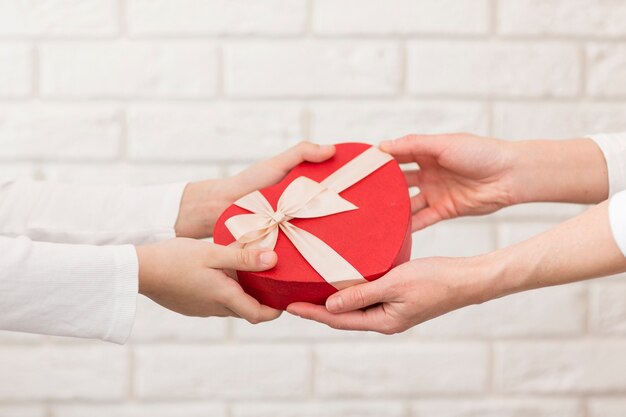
{"x": 303, "y": 199}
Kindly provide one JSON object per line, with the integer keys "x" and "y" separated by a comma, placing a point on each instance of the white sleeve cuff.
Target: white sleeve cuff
{"x": 126, "y": 288}
{"x": 617, "y": 219}
{"x": 613, "y": 146}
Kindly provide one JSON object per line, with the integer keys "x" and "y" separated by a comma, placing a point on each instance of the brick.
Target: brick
{"x": 209, "y": 132}
{"x": 22, "y": 411}
{"x": 606, "y": 70}
{"x": 141, "y": 410}
{"x": 58, "y": 18}
{"x": 457, "y": 237}
{"x": 155, "y": 323}
{"x": 512, "y": 233}
{"x": 124, "y": 69}
{"x": 316, "y": 409}
{"x": 16, "y": 61}
{"x": 360, "y": 370}
{"x": 63, "y": 372}
{"x": 59, "y": 131}
{"x": 526, "y": 407}
{"x": 606, "y": 407}
{"x": 212, "y": 17}
{"x": 528, "y": 314}
{"x": 608, "y": 307}
{"x": 373, "y": 121}
{"x": 127, "y": 173}
{"x": 311, "y": 68}
{"x": 556, "y": 120}
{"x": 495, "y": 68}
{"x": 565, "y": 367}
{"x": 562, "y": 17}
{"x": 358, "y": 17}
{"x": 228, "y": 371}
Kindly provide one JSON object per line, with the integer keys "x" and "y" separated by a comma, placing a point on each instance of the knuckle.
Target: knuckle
{"x": 357, "y": 298}
{"x": 244, "y": 258}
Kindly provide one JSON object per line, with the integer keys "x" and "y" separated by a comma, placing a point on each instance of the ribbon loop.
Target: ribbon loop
{"x": 305, "y": 198}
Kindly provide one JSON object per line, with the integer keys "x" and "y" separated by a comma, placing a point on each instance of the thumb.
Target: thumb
{"x": 353, "y": 298}
{"x": 226, "y": 257}
{"x": 406, "y": 148}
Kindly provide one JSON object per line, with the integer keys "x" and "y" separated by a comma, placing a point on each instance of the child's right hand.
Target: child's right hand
{"x": 187, "y": 276}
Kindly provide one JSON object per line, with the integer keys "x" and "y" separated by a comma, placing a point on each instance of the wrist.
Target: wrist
{"x": 199, "y": 208}
{"x": 561, "y": 171}
{"x": 496, "y": 274}
{"x": 146, "y": 263}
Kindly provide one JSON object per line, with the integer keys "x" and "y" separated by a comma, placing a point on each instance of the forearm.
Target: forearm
{"x": 573, "y": 171}
{"x": 579, "y": 249}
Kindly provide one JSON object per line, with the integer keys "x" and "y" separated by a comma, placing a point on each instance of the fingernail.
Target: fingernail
{"x": 268, "y": 258}
{"x": 334, "y": 304}
{"x": 326, "y": 147}
{"x": 385, "y": 144}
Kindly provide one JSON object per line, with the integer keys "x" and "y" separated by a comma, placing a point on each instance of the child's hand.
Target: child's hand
{"x": 204, "y": 201}
{"x": 186, "y": 276}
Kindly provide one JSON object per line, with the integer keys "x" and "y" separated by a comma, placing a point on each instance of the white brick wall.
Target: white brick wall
{"x": 150, "y": 91}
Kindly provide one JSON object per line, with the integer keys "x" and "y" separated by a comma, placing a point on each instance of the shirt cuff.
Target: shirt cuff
{"x": 126, "y": 289}
{"x": 617, "y": 219}
{"x": 613, "y": 146}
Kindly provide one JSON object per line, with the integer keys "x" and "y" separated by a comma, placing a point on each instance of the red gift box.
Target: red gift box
{"x": 372, "y": 238}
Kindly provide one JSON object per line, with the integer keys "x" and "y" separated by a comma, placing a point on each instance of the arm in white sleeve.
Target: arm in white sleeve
{"x": 67, "y": 290}
{"x": 55, "y": 212}
{"x": 613, "y": 146}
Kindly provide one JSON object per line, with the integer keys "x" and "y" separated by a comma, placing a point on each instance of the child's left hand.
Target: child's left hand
{"x": 204, "y": 201}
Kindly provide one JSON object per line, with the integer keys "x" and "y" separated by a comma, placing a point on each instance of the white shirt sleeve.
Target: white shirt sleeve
{"x": 67, "y": 290}
{"x": 56, "y": 212}
{"x": 613, "y": 147}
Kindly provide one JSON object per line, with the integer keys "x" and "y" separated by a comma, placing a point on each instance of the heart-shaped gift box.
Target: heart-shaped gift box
{"x": 370, "y": 237}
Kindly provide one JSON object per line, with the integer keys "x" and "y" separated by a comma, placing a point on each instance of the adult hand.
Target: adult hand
{"x": 410, "y": 294}
{"x": 458, "y": 175}
{"x": 187, "y": 276}
{"x": 581, "y": 248}
{"x": 204, "y": 201}
{"x": 464, "y": 175}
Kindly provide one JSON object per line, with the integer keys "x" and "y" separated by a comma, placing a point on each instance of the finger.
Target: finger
{"x": 245, "y": 306}
{"x": 412, "y": 177}
{"x": 424, "y": 218}
{"x": 227, "y": 257}
{"x": 303, "y": 151}
{"x": 413, "y": 145}
{"x": 356, "y": 297}
{"x": 373, "y": 319}
{"x": 418, "y": 203}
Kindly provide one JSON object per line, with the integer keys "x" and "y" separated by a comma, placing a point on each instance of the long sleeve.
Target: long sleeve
{"x": 613, "y": 146}
{"x": 67, "y": 290}
{"x": 55, "y": 212}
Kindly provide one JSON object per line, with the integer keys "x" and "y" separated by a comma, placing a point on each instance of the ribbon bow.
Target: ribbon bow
{"x": 305, "y": 198}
